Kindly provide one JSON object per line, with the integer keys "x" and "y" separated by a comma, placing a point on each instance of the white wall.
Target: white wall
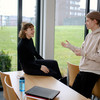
{"x": 47, "y": 29}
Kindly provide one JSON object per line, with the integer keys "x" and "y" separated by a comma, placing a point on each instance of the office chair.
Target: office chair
{"x": 5, "y": 94}
{"x": 73, "y": 70}
{"x": 72, "y": 73}
{"x": 10, "y": 91}
{"x": 96, "y": 89}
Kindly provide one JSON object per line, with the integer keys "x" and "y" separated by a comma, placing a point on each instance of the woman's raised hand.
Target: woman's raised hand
{"x": 65, "y": 44}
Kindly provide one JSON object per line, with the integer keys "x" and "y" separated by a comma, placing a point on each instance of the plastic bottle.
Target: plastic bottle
{"x": 22, "y": 84}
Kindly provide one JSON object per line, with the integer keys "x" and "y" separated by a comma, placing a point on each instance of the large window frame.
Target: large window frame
{"x": 45, "y": 26}
{"x": 18, "y": 28}
{"x": 37, "y": 39}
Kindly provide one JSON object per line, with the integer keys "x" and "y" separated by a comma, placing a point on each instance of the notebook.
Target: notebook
{"x": 41, "y": 92}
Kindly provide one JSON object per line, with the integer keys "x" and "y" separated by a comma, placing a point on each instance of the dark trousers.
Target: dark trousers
{"x": 52, "y": 65}
{"x": 85, "y": 82}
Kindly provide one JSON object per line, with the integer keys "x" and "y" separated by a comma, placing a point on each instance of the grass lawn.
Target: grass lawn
{"x": 74, "y": 34}
{"x": 8, "y": 43}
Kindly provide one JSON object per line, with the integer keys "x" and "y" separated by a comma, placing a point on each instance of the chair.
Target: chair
{"x": 2, "y": 75}
{"x": 72, "y": 73}
{"x": 11, "y": 93}
{"x": 96, "y": 89}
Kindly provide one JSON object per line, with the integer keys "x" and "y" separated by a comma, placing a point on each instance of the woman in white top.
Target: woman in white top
{"x": 90, "y": 52}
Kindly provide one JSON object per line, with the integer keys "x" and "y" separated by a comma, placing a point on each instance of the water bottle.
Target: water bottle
{"x": 22, "y": 84}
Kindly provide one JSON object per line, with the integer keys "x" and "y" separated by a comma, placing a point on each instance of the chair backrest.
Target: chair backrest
{"x": 11, "y": 93}
{"x": 96, "y": 89}
{"x": 2, "y": 75}
{"x": 73, "y": 70}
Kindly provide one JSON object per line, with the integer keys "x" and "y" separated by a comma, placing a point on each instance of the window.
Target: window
{"x": 8, "y": 25}
{"x": 29, "y": 11}
{"x": 8, "y": 30}
{"x": 72, "y": 2}
{"x": 93, "y": 5}
{"x": 68, "y": 27}
{"x": 71, "y": 7}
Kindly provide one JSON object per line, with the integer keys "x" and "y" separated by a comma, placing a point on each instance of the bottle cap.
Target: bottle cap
{"x": 22, "y": 78}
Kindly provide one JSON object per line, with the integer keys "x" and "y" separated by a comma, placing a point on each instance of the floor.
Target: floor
{"x": 1, "y": 95}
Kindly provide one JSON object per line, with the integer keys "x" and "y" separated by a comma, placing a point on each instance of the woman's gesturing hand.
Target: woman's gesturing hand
{"x": 44, "y": 69}
{"x": 65, "y": 44}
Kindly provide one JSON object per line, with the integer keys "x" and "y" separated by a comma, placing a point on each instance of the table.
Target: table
{"x": 66, "y": 93}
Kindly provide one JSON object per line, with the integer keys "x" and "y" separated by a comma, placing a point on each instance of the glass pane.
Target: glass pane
{"x": 8, "y": 34}
{"x": 69, "y": 25}
{"x": 29, "y": 11}
{"x": 93, "y": 5}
